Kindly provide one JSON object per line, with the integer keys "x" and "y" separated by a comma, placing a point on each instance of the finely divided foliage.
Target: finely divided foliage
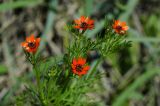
{"x": 65, "y": 81}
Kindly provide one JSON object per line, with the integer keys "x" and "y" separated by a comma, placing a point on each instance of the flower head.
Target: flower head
{"x": 79, "y": 66}
{"x": 31, "y": 44}
{"x": 120, "y": 27}
{"x": 84, "y": 23}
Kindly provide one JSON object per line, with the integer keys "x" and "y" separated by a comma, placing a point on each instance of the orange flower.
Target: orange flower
{"x": 84, "y": 23}
{"x": 120, "y": 27}
{"x": 79, "y": 67}
{"x": 31, "y": 44}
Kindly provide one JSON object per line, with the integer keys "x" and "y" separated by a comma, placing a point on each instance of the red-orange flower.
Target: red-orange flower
{"x": 84, "y": 23}
{"x": 79, "y": 66}
{"x": 120, "y": 27}
{"x": 31, "y": 44}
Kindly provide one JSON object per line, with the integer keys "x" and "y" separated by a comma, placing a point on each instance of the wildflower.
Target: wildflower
{"x": 79, "y": 66}
{"x": 84, "y": 23}
{"x": 31, "y": 44}
{"x": 120, "y": 27}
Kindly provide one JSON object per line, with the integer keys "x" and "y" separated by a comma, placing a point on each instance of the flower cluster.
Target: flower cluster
{"x": 60, "y": 81}
{"x": 78, "y": 65}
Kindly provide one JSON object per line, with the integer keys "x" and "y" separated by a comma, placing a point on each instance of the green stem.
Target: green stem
{"x": 37, "y": 74}
{"x": 37, "y": 78}
{"x": 65, "y": 86}
{"x": 83, "y": 31}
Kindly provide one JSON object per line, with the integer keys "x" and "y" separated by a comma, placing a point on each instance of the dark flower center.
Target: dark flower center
{"x": 119, "y": 27}
{"x": 32, "y": 45}
{"x": 84, "y": 25}
{"x": 79, "y": 68}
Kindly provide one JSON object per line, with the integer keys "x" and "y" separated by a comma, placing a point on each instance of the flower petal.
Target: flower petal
{"x": 125, "y": 28}
{"x": 77, "y": 27}
{"x": 73, "y": 66}
{"x": 83, "y": 73}
{"x": 90, "y": 22}
{"x": 83, "y": 18}
{"x": 77, "y": 21}
{"x": 123, "y": 24}
{"x": 30, "y": 38}
{"x": 38, "y": 41}
{"x": 24, "y": 44}
{"x": 74, "y": 62}
{"x": 81, "y": 61}
{"x": 86, "y": 68}
{"x": 117, "y": 22}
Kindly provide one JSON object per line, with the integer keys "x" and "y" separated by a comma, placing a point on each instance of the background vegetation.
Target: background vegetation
{"x": 132, "y": 75}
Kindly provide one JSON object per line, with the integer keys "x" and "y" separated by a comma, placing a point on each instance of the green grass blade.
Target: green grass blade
{"x": 88, "y": 7}
{"x": 129, "y": 9}
{"x": 140, "y": 81}
{"x": 3, "y": 69}
{"x": 49, "y": 23}
{"x": 144, "y": 39}
{"x": 18, "y": 4}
